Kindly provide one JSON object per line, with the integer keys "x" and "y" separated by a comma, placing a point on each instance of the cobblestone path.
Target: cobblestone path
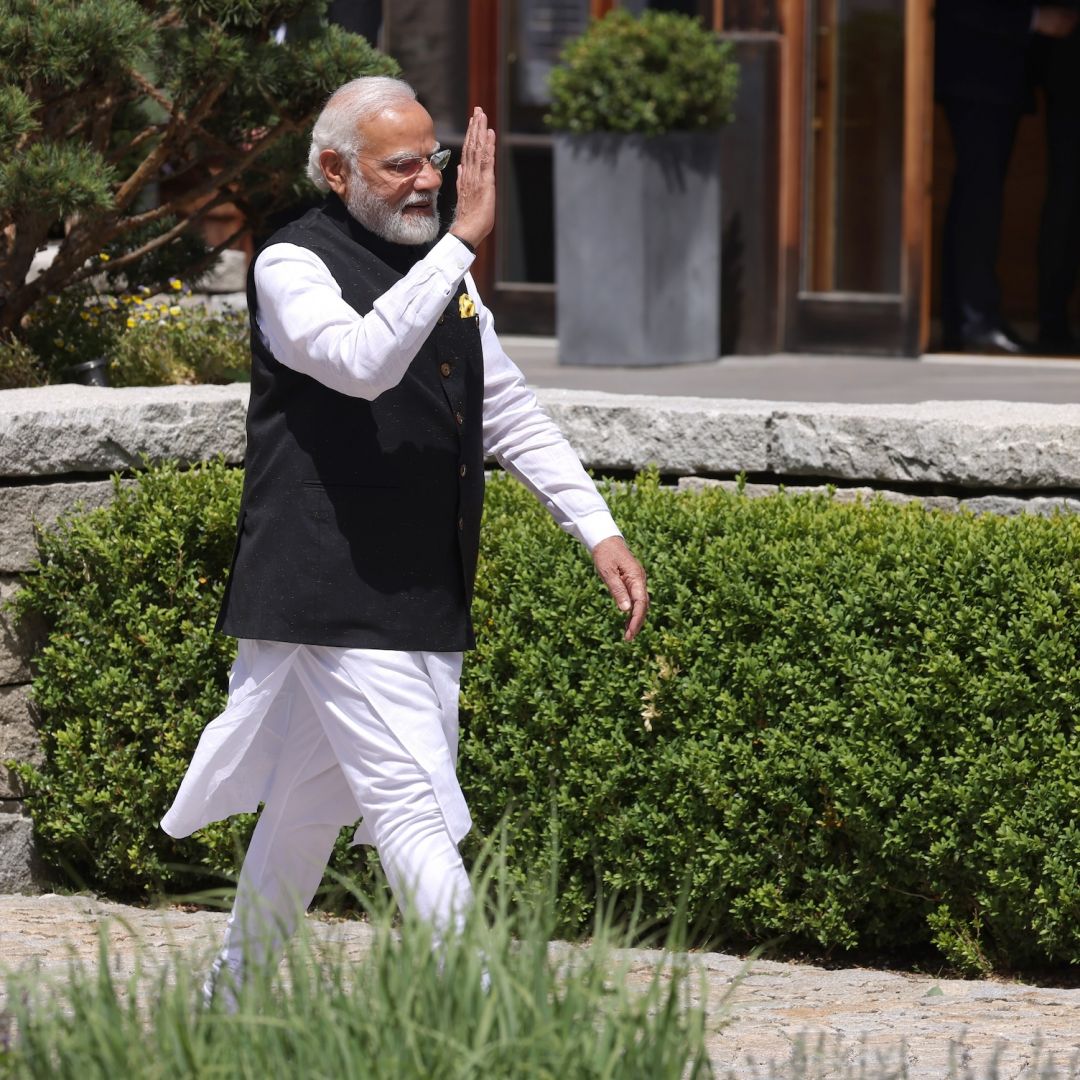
{"x": 758, "y": 1014}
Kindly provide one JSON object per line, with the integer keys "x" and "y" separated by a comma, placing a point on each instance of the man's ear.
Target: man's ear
{"x": 335, "y": 171}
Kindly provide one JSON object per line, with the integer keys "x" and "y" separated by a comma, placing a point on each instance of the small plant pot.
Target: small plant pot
{"x": 90, "y": 372}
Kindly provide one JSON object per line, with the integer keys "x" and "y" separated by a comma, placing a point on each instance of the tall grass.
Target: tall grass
{"x": 495, "y": 1001}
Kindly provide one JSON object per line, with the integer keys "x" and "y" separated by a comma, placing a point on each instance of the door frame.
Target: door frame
{"x": 890, "y": 324}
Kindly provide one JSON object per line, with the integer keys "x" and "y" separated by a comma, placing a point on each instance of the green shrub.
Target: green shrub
{"x": 192, "y": 346}
{"x": 130, "y": 675}
{"x": 850, "y": 725}
{"x": 657, "y": 73}
{"x": 147, "y": 340}
{"x": 19, "y": 365}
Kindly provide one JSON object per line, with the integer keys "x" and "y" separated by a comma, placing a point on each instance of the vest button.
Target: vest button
{"x": 462, "y": 471}
{"x": 459, "y": 418}
{"x": 445, "y": 369}
{"x": 460, "y": 523}
{"x": 442, "y": 319}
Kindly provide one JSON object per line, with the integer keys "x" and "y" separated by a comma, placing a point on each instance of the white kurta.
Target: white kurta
{"x": 308, "y": 327}
{"x": 234, "y": 764}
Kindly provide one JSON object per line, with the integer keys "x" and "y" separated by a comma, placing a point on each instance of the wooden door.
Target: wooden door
{"x": 856, "y": 175}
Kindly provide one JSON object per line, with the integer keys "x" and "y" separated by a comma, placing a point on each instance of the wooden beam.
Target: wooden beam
{"x": 599, "y": 8}
{"x": 792, "y": 27}
{"x": 918, "y": 170}
{"x": 483, "y": 55}
{"x": 484, "y": 91}
{"x": 818, "y": 242}
{"x": 718, "y": 14}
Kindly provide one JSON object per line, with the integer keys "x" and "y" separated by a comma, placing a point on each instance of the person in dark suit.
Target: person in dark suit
{"x": 1058, "y": 65}
{"x": 984, "y": 80}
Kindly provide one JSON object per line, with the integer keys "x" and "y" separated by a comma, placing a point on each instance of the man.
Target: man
{"x": 983, "y": 78}
{"x": 378, "y": 387}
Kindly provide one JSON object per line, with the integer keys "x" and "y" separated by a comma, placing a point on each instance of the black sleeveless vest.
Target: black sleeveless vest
{"x": 360, "y": 520}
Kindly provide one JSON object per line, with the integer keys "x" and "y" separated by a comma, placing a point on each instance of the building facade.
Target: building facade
{"x": 832, "y": 197}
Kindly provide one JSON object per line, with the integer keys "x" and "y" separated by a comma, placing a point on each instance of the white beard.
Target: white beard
{"x": 390, "y": 221}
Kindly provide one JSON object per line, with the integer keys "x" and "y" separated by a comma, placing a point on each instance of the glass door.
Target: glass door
{"x": 856, "y": 274}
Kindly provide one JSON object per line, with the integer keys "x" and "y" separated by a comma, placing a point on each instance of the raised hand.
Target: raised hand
{"x": 475, "y": 215}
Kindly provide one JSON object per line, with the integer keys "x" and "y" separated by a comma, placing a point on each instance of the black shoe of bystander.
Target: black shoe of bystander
{"x": 993, "y": 341}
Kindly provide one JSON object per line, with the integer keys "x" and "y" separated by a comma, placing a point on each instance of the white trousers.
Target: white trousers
{"x": 362, "y": 733}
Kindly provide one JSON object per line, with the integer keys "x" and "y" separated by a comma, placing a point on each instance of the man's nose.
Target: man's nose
{"x": 428, "y": 178}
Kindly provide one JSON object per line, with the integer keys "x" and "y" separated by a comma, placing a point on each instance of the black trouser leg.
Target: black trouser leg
{"x": 983, "y": 136}
{"x": 1059, "y": 230}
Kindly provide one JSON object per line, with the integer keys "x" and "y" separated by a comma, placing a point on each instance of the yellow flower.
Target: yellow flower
{"x": 103, "y": 257}
{"x": 174, "y": 310}
{"x": 137, "y": 300}
{"x": 130, "y": 321}
{"x": 144, "y": 290}
{"x": 113, "y": 305}
{"x": 176, "y": 284}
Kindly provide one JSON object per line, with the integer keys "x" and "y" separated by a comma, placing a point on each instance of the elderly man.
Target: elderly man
{"x": 378, "y": 386}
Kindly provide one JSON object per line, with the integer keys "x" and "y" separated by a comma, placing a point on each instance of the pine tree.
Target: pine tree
{"x": 115, "y": 115}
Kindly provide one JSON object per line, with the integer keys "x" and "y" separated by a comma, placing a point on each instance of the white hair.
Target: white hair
{"x": 338, "y": 125}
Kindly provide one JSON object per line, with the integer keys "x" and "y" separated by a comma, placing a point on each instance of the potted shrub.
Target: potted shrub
{"x": 636, "y": 105}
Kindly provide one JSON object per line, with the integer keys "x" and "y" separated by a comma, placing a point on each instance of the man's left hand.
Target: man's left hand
{"x": 624, "y": 577}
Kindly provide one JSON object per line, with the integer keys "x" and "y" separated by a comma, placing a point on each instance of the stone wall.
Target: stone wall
{"x": 58, "y": 446}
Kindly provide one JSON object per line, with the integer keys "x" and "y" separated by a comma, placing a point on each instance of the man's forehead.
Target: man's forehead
{"x": 404, "y": 129}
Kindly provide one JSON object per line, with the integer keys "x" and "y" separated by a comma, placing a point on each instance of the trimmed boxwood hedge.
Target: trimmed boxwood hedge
{"x": 849, "y": 725}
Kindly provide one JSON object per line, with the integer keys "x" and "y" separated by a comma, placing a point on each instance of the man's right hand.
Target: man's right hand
{"x": 475, "y": 215}
{"x": 1053, "y": 21}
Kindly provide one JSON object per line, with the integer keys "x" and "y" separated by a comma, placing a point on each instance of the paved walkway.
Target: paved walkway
{"x": 757, "y": 1014}
{"x": 805, "y": 377}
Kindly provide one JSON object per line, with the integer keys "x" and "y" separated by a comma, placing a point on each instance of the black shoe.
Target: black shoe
{"x": 996, "y": 341}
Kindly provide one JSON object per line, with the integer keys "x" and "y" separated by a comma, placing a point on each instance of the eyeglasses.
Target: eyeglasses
{"x": 406, "y": 167}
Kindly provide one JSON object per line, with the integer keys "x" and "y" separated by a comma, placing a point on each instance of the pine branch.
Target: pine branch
{"x": 219, "y": 180}
{"x": 169, "y": 21}
{"x": 22, "y": 240}
{"x": 211, "y": 256}
{"x": 137, "y": 140}
{"x": 150, "y": 90}
{"x": 18, "y": 296}
{"x": 185, "y": 224}
{"x": 177, "y": 131}
{"x": 101, "y": 125}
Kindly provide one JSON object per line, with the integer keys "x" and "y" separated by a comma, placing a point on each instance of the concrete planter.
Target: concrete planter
{"x": 637, "y": 232}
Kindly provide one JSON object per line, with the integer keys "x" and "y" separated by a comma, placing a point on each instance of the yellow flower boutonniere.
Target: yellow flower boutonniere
{"x": 466, "y": 308}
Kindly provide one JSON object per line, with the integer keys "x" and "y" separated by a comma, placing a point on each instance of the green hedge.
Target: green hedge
{"x": 853, "y": 726}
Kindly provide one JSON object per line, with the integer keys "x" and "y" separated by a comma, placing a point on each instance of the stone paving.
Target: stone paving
{"x": 760, "y": 1013}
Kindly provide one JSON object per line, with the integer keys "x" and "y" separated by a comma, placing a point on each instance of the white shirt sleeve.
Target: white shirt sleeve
{"x": 308, "y": 326}
{"x": 528, "y": 445}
